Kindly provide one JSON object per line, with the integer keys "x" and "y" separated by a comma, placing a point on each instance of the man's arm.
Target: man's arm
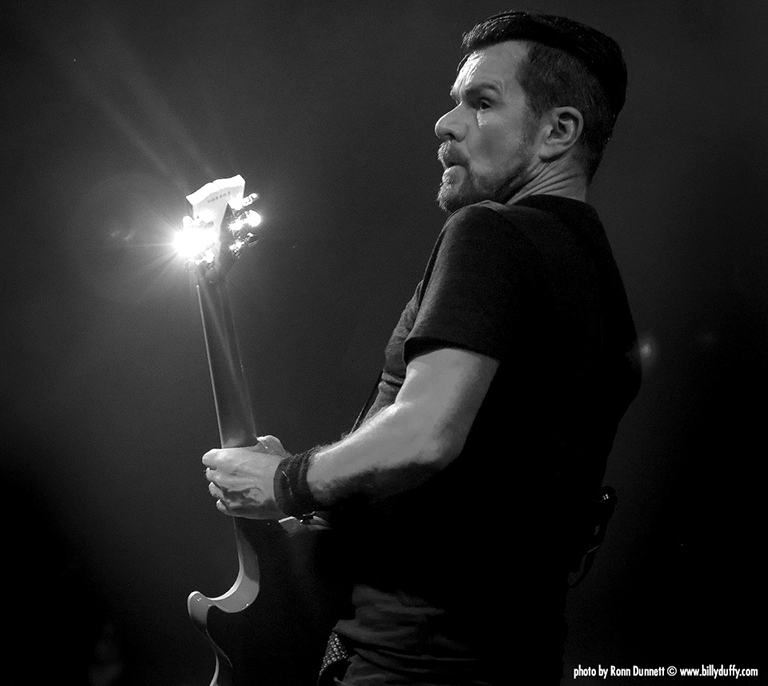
{"x": 396, "y": 450}
{"x": 412, "y": 439}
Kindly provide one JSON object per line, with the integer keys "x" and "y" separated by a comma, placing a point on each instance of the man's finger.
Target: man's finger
{"x": 211, "y": 458}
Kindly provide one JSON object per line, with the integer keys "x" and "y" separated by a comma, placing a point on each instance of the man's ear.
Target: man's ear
{"x": 562, "y": 129}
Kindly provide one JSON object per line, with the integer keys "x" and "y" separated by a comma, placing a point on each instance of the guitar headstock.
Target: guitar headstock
{"x": 223, "y": 223}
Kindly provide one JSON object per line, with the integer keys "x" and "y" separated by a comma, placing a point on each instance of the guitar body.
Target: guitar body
{"x": 277, "y": 637}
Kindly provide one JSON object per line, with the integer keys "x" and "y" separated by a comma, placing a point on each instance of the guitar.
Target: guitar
{"x": 271, "y": 627}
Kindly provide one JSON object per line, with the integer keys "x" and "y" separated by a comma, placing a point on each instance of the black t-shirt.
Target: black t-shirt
{"x": 444, "y": 571}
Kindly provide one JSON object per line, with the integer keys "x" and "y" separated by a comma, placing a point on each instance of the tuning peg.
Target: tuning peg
{"x": 239, "y": 204}
{"x": 244, "y": 222}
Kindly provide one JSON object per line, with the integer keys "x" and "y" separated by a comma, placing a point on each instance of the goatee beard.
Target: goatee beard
{"x": 451, "y": 199}
{"x": 452, "y": 196}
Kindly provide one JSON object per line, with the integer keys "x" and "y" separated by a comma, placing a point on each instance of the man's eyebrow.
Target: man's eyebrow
{"x": 476, "y": 89}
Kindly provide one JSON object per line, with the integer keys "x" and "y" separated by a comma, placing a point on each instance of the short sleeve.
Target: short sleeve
{"x": 480, "y": 288}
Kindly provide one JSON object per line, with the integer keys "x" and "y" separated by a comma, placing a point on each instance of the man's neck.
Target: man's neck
{"x": 566, "y": 183}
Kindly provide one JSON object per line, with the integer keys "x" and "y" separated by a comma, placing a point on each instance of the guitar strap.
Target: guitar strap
{"x": 368, "y": 403}
{"x": 598, "y": 517}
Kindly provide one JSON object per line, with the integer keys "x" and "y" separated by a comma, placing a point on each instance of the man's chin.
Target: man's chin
{"x": 451, "y": 198}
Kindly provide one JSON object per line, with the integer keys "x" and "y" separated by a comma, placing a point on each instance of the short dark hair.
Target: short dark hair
{"x": 568, "y": 64}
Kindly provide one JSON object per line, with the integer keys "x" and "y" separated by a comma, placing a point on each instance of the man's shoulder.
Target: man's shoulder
{"x": 484, "y": 214}
{"x": 538, "y": 208}
{"x": 516, "y": 222}
{"x": 485, "y": 233}
{"x": 544, "y": 207}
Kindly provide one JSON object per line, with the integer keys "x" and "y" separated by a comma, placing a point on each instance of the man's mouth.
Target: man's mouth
{"x": 452, "y": 174}
{"x": 449, "y": 157}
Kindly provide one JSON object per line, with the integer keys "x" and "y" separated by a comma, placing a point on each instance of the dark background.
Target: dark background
{"x": 113, "y": 111}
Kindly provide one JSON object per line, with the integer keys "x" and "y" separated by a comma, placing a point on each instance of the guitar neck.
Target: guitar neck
{"x": 230, "y": 390}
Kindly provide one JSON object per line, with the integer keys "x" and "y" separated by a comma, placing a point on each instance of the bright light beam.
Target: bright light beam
{"x": 196, "y": 240}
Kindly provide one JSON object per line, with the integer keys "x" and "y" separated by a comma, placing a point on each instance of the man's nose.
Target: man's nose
{"x": 450, "y": 126}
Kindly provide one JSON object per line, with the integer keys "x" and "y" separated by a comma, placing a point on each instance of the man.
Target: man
{"x": 463, "y": 491}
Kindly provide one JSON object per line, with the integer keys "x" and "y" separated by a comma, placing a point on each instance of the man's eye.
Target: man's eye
{"x": 483, "y": 104}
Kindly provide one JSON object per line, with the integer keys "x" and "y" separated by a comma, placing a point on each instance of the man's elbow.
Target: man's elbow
{"x": 435, "y": 443}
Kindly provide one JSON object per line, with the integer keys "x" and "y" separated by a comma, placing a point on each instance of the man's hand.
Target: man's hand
{"x": 242, "y": 479}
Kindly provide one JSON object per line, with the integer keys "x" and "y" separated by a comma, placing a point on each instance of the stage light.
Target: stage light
{"x": 196, "y": 240}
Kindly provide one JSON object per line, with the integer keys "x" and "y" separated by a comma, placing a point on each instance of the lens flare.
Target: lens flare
{"x": 196, "y": 240}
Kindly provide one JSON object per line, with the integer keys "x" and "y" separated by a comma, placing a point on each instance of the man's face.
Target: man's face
{"x": 489, "y": 137}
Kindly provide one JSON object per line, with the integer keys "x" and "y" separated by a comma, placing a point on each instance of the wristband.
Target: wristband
{"x": 292, "y": 493}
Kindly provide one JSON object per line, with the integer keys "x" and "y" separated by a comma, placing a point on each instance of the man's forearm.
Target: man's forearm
{"x": 405, "y": 443}
{"x": 394, "y": 451}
